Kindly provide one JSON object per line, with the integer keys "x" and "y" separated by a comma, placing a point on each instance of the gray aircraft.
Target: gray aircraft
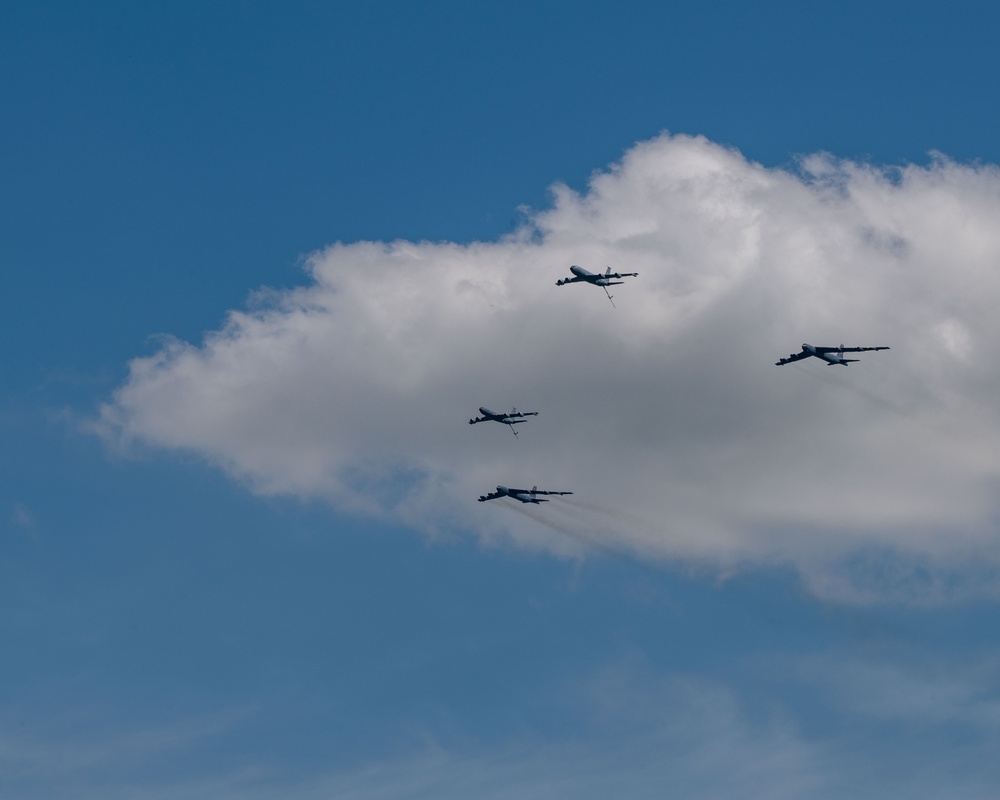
{"x": 511, "y": 419}
{"x": 831, "y": 355}
{"x": 524, "y": 495}
{"x": 609, "y": 278}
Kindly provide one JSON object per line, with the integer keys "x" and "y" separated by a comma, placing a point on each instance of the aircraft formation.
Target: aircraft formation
{"x": 831, "y": 355}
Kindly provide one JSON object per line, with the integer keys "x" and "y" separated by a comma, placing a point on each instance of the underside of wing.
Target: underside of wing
{"x": 491, "y": 496}
{"x": 794, "y": 357}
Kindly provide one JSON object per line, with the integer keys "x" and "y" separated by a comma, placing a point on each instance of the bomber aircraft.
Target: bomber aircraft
{"x": 511, "y": 419}
{"x": 609, "y": 278}
{"x": 524, "y": 495}
{"x": 831, "y": 355}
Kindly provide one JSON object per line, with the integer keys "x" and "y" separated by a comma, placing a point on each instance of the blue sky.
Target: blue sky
{"x": 289, "y": 590}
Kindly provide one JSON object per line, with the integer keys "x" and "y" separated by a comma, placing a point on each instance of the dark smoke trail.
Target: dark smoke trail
{"x": 590, "y": 539}
{"x": 866, "y": 394}
{"x": 623, "y": 517}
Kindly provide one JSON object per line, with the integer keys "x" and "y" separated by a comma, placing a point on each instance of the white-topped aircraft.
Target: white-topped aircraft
{"x": 524, "y": 495}
{"x": 831, "y": 355}
{"x": 609, "y": 278}
{"x": 512, "y": 418}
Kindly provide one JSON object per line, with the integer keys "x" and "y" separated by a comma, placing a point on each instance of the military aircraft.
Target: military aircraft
{"x": 511, "y": 419}
{"x": 524, "y": 495}
{"x": 609, "y": 278}
{"x": 831, "y": 355}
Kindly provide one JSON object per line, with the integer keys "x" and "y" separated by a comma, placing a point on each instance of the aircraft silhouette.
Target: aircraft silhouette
{"x": 524, "y": 495}
{"x": 831, "y": 355}
{"x": 609, "y": 278}
{"x": 511, "y": 419}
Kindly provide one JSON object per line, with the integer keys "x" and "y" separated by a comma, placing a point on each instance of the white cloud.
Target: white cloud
{"x": 665, "y": 415}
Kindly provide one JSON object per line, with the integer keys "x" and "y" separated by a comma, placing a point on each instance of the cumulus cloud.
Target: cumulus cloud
{"x": 665, "y": 415}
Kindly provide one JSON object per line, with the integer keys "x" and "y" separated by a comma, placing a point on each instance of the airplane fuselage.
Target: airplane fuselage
{"x": 597, "y": 280}
{"x": 521, "y": 495}
{"x": 831, "y": 355}
{"x": 829, "y": 358}
{"x": 510, "y": 419}
{"x": 524, "y": 495}
{"x": 492, "y": 417}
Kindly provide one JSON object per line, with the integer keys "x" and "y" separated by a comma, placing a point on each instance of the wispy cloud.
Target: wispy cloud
{"x": 625, "y": 730}
{"x": 58, "y": 759}
{"x": 931, "y": 692}
{"x": 667, "y": 411}
{"x": 21, "y": 516}
{"x": 637, "y": 734}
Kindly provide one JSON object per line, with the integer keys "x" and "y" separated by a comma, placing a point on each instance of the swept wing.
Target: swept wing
{"x": 843, "y": 349}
